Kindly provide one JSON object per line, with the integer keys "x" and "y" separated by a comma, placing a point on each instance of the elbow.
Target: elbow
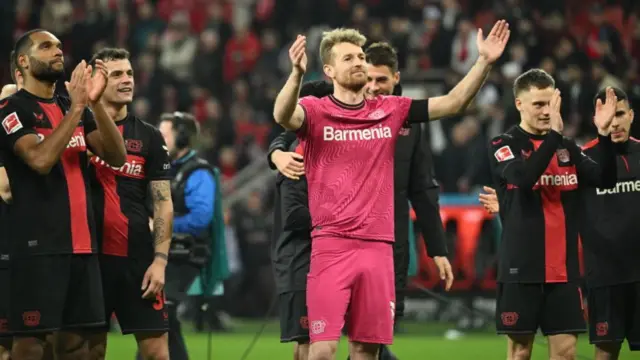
{"x": 116, "y": 159}
{"x": 6, "y": 196}
{"x": 41, "y": 165}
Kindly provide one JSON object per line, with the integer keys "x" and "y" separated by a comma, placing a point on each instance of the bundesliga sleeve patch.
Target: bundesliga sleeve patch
{"x": 11, "y": 123}
{"x": 504, "y": 154}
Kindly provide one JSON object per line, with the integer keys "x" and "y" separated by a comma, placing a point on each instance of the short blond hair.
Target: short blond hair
{"x": 338, "y": 36}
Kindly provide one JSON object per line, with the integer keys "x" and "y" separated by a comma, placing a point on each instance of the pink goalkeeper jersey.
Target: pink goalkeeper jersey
{"x": 348, "y": 156}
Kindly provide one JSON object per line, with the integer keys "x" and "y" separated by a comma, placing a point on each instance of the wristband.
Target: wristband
{"x": 161, "y": 256}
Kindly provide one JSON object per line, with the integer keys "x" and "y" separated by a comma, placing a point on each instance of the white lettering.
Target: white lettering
{"x": 131, "y": 167}
{"x": 380, "y": 132}
{"x": 621, "y": 187}
{"x": 77, "y": 141}
{"x": 565, "y": 179}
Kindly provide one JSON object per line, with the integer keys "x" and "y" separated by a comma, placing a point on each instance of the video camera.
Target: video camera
{"x": 189, "y": 250}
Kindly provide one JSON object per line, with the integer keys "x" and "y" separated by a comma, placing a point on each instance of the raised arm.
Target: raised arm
{"x": 286, "y": 110}
{"x": 459, "y": 98}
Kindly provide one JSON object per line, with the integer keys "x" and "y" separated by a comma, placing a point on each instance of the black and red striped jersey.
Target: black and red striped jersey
{"x": 538, "y": 178}
{"x": 120, "y": 194}
{"x": 52, "y": 213}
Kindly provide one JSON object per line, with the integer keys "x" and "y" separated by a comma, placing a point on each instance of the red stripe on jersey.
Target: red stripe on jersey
{"x": 76, "y": 187}
{"x": 555, "y": 228}
{"x": 590, "y": 144}
{"x": 115, "y": 230}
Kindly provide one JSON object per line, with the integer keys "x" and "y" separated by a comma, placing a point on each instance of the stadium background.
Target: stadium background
{"x": 224, "y": 61}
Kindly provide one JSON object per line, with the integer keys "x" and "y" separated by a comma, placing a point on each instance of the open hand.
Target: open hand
{"x": 444, "y": 268}
{"x": 556, "y": 118}
{"x": 153, "y": 281}
{"x": 288, "y": 163}
{"x": 77, "y": 85}
{"x": 298, "y": 55}
{"x": 605, "y": 112}
{"x": 489, "y": 200}
{"x": 98, "y": 82}
{"x": 493, "y": 46}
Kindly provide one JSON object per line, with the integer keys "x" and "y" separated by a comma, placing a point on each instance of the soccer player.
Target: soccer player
{"x": 55, "y": 282}
{"x": 348, "y": 150}
{"x": 608, "y": 232}
{"x": 538, "y": 174}
{"x": 413, "y": 174}
{"x": 132, "y": 260}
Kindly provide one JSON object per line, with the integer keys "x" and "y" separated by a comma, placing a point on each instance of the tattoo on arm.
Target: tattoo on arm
{"x": 161, "y": 194}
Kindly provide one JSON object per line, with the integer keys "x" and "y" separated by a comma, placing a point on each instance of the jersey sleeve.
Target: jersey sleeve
{"x": 16, "y": 123}
{"x": 599, "y": 169}
{"x": 158, "y": 165}
{"x": 511, "y": 168}
{"x": 310, "y": 105}
{"x": 418, "y": 111}
{"x": 89, "y": 122}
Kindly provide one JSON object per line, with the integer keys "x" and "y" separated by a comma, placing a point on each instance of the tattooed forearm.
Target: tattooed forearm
{"x": 162, "y": 215}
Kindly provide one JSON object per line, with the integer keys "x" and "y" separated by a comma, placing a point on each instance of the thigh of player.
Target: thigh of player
{"x": 518, "y": 308}
{"x": 333, "y": 268}
{"x": 607, "y": 312}
{"x": 4, "y": 302}
{"x": 84, "y": 305}
{"x": 38, "y": 287}
{"x": 373, "y": 304}
{"x": 294, "y": 323}
{"x": 563, "y": 310}
{"x": 633, "y": 303}
{"x": 135, "y": 314}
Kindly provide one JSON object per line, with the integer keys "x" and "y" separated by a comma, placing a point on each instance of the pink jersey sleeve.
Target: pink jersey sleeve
{"x": 399, "y": 107}
{"x": 310, "y": 106}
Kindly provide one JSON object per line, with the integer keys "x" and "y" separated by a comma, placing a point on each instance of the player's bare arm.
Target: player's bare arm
{"x": 42, "y": 155}
{"x": 106, "y": 142}
{"x": 5, "y": 188}
{"x": 286, "y": 110}
{"x": 459, "y": 98}
{"x": 153, "y": 281}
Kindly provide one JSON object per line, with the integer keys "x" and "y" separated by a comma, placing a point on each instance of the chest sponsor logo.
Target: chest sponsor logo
{"x": 330, "y": 133}
{"x": 565, "y": 179}
{"x": 621, "y": 188}
{"x": 132, "y": 168}
{"x": 77, "y": 141}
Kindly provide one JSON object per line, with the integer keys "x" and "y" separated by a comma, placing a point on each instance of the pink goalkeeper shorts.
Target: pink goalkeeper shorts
{"x": 351, "y": 280}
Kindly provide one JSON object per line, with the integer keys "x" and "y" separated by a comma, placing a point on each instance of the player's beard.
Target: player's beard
{"x": 349, "y": 82}
{"x": 44, "y": 71}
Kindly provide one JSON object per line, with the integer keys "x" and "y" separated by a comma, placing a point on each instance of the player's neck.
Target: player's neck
{"x": 182, "y": 153}
{"x": 38, "y": 88}
{"x": 116, "y": 112}
{"x": 348, "y": 97}
{"x": 524, "y": 126}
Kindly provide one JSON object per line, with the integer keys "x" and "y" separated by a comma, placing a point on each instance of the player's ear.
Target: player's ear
{"x": 518, "y": 103}
{"x": 396, "y": 77}
{"x": 631, "y": 116}
{"x": 23, "y": 61}
{"x": 328, "y": 70}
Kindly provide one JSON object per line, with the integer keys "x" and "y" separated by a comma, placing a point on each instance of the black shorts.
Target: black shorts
{"x": 55, "y": 292}
{"x": 554, "y": 308}
{"x": 294, "y": 324}
{"x": 4, "y": 303}
{"x": 122, "y": 287}
{"x": 614, "y": 314}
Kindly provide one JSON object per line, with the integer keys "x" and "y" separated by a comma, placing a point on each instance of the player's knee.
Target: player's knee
{"x": 562, "y": 347}
{"x": 607, "y": 351}
{"x": 154, "y": 346}
{"x": 519, "y": 347}
{"x": 157, "y": 353}
{"x": 301, "y": 351}
{"x": 323, "y": 350}
{"x": 72, "y": 346}
{"x": 27, "y": 349}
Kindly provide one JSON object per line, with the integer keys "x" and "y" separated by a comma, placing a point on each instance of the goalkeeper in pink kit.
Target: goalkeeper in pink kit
{"x": 349, "y": 145}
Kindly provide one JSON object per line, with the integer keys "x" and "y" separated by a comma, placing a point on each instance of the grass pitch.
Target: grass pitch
{"x": 421, "y": 341}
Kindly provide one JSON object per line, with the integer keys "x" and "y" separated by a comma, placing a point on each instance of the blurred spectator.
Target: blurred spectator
{"x": 178, "y": 48}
